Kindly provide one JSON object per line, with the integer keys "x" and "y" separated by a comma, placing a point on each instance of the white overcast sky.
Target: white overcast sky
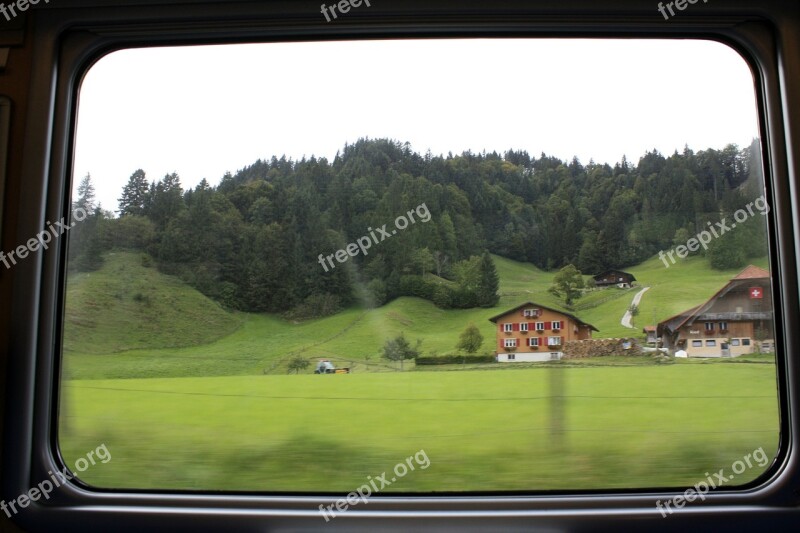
{"x": 201, "y": 111}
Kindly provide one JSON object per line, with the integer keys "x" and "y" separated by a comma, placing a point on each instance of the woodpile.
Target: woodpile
{"x": 601, "y": 348}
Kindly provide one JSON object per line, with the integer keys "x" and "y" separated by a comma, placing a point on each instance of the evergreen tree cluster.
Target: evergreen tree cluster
{"x": 252, "y": 242}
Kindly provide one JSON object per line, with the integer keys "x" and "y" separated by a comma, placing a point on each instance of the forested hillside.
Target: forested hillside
{"x": 253, "y": 241}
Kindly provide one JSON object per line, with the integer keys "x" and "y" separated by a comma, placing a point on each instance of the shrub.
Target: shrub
{"x": 455, "y": 360}
{"x": 316, "y": 306}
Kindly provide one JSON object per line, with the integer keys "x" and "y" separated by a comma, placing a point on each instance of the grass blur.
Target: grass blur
{"x": 622, "y": 427}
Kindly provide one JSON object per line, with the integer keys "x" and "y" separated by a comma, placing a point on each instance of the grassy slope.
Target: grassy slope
{"x": 125, "y": 306}
{"x": 265, "y": 343}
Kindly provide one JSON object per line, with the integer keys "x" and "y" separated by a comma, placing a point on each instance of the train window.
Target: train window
{"x": 419, "y": 266}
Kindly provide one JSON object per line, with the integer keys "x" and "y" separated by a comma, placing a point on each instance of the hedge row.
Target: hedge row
{"x": 443, "y": 296}
{"x": 455, "y": 359}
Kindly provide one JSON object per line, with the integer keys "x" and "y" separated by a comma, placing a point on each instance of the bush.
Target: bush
{"x": 130, "y": 232}
{"x": 442, "y": 295}
{"x": 316, "y": 306}
{"x": 141, "y": 298}
{"x": 377, "y": 291}
{"x": 455, "y": 360}
{"x": 297, "y": 364}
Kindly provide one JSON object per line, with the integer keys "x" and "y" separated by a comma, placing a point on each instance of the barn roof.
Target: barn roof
{"x": 531, "y": 304}
{"x": 674, "y": 323}
{"x": 752, "y": 272}
{"x": 614, "y": 271}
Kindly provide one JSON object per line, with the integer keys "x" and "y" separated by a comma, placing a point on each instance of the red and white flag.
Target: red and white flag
{"x": 756, "y": 292}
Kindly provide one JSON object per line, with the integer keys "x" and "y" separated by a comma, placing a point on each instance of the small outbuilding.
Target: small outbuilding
{"x": 651, "y": 334}
{"x": 621, "y": 279}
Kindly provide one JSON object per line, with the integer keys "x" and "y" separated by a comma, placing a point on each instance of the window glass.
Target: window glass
{"x": 291, "y": 274}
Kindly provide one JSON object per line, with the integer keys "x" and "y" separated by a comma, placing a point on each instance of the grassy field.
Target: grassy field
{"x": 619, "y": 427}
{"x": 187, "y": 395}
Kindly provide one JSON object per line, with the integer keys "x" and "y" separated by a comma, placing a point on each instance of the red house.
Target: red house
{"x": 532, "y": 332}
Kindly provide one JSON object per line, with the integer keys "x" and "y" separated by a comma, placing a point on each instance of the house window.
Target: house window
{"x": 723, "y": 326}
{"x": 508, "y": 328}
{"x": 554, "y": 341}
{"x": 745, "y": 342}
{"x": 697, "y": 344}
{"x": 540, "y": 326}
{"x": 734, "y": 342}
{"x": 711, "y": 343}
{"x": 533, "y": 341}
{"x": 510, "y": 343}
{"x": 523, "y": 326}
{"x": 530, "y": 312}
{"x": 709, "y": 326}
{"x": 556, "y": 324}
{"x": 512, "y": 356}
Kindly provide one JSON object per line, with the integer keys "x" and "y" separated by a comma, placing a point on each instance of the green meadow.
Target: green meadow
{"x": 187, "y": 395}
{"x": 528, "y": 429}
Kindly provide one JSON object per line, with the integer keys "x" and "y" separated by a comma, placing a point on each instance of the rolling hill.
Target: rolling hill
{"x": 127, "y": 320}
{"x": 128, "y": 305}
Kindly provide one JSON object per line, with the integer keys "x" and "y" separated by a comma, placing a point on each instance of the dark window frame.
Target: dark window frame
{"x": 72, "y": 37}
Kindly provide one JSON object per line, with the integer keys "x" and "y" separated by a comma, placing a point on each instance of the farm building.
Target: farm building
{"x": 532, "y": 332}
{"x": 737, "y": 320}
{"x": 651, "y": 334}
{"x": 621, "y": 279}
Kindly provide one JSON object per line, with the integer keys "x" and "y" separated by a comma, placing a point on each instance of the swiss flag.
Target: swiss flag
{"x": 756, "y": 292}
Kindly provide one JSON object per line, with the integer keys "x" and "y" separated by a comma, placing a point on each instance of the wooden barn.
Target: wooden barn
{"x": 736, "y": 320}
{"x": 621, "y": 279}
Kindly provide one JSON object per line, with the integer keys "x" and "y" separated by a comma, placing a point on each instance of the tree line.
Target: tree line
{"x": 252, "y": 241}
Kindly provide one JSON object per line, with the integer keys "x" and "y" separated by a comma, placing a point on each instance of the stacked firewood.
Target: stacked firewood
{"x": 601, "y": 348}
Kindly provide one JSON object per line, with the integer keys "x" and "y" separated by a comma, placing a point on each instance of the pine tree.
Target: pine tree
{"x": 489, "y": 282}
{"x": 134, "y": 195}
{"x": 85, "y": 195}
